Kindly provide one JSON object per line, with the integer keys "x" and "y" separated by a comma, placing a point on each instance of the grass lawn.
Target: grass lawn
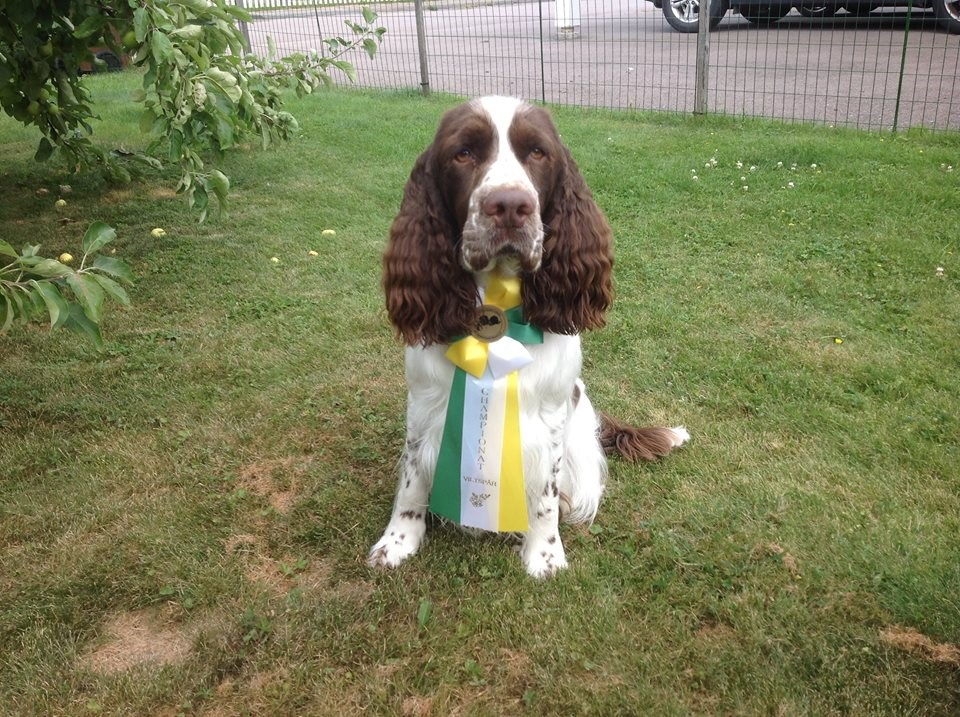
{"x": 184, "y": 516}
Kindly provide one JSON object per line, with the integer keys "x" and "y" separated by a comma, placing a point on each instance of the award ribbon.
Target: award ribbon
{"x": 478, "y": 481}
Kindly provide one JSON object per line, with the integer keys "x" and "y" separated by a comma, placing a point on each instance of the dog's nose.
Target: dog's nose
{"x": 509, "y": 208}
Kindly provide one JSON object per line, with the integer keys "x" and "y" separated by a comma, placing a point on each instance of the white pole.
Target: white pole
{"x": 568, "y": 19}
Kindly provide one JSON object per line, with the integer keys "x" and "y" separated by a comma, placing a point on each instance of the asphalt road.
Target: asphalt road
{"x": 840, "y": 72}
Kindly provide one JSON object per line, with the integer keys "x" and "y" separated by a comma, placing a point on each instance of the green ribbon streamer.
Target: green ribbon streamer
{"x": 445, "y": 497}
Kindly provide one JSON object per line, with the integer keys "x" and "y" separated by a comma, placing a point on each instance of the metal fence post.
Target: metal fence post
{"x": 543, "y": 72}
{"x": 703, "y": 58}
{"x": 903, "y": 62}
{"x": 422, "y": 47}
{"x": 243, "y": 26}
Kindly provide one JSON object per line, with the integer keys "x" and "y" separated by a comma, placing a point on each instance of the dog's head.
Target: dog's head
{"x": 496, "y": 188}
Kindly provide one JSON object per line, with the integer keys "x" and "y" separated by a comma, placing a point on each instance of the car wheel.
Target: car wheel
{"x": 110, "y": 62}
{"x": 684, "y": 15}
{"x": 764, "y": 15}
{"x": 813, "y": 8}
{"x": 948, "y": 15}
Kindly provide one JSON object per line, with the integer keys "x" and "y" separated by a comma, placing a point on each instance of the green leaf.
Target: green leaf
{"x": 7, "y": 313}
{"x": 89, "y": 293}
{"x": 187, "y": 32}
{"x": 36, "y": 301}
{"x": 220, "y": 185}
{"x": 160, "y": 46}
{"x": 147, "y": 118}
{"x": 20, "y": 310}
{"x": 77, "y": 321}
{"x": 238, "y": 13}
{"x": 112, "y": 288}
{"x": 116, "y": 268}
{"x": 7, "y": 249}
{"x": 370, "y": 46}
{"x": 151, "y": 162}
{"x": 224, "y": 133}
{"x": 227, "y": 83}
{"x": 90, "y": 26}
{"x": 347, "y": 69}
{"x": 98, "y": 235}
{"x": 57, "y": 306}
{"x": 150, "y": 76}
{"x": 369, "y": 16}
{"x": 176, "y": 145}
{"x": 141, "y": 23}
{"x": 47, "y": 268}
{"x": 44, "y": 150}
{"x": 198, "y": 197}
{"x": 423, "y": 612}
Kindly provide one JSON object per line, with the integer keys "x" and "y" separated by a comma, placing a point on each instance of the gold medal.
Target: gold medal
{"x": 491, "y": 323}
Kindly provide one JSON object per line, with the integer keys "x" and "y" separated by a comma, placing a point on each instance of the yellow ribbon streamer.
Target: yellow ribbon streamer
{"x": 513, "y": 498}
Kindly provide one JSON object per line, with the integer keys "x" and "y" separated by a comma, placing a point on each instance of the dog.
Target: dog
{"x": 497, "y": 206}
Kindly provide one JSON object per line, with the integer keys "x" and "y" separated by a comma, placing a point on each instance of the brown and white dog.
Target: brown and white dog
{"x": 498, "y": 191}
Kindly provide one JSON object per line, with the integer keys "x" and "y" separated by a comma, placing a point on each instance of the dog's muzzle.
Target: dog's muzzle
{"x": 504, "y": 221}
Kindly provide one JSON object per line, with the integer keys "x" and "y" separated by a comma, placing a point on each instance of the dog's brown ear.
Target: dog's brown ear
{"x": 573, "y": 288}
{"x": 430, "y": 297}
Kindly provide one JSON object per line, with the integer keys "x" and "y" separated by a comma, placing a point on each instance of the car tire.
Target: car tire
{"x": 684, "y": 15}
{"x": 764, "y": 15}
{"x": 948, "y": 15}
{"x": 111, "y": 63}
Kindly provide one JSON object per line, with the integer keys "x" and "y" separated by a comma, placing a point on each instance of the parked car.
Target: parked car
{"x": 683, "y": 15}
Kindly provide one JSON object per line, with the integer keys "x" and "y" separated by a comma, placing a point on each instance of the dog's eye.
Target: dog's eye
{"x": 463, "y": 156}
{"x": 537, "y": 154}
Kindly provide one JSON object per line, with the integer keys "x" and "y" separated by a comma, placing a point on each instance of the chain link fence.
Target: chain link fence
{"x": 859, "y": 66}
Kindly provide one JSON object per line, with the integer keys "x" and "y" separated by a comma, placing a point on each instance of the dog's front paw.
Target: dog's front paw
{"x": 393, "y": 548}
{"x": 543, "y": 559}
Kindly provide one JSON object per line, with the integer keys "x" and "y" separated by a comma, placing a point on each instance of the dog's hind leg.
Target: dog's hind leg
{"x": 584, "y": 471}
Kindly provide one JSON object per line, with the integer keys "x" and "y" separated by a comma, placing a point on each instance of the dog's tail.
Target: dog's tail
{"x": 633, "y": 444}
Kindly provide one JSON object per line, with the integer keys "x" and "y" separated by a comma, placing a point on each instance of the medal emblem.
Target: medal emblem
{"x": 491, "y": 323}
